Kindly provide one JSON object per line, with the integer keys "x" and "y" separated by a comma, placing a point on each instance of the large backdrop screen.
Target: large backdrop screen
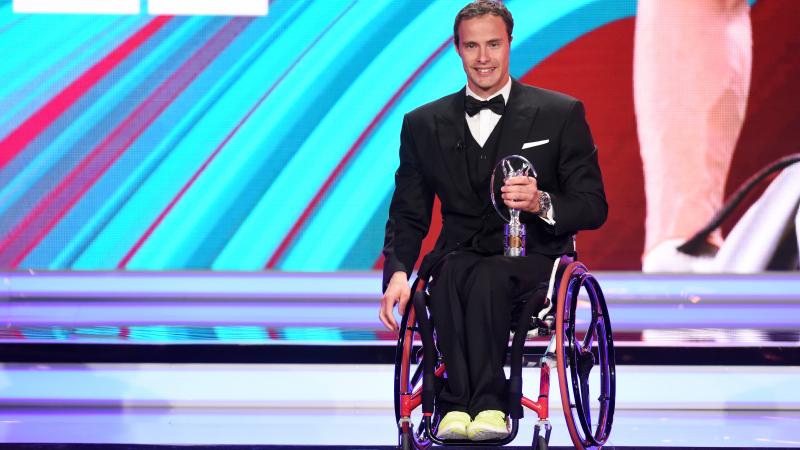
{"x": 246, "y": 134}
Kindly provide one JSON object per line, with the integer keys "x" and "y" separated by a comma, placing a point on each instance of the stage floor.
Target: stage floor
{"x": 372, "y": 427}
{"x": 266, "y": 360}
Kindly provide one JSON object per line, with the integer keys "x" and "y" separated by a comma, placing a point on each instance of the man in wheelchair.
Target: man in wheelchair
{"x": 448, "y": 148}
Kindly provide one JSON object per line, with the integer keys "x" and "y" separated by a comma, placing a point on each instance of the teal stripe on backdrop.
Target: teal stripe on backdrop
{"x": 19, "y": 66}
{"x": 323, "y": 59}
{"x": 30, "y": 165}
{"x": 29, "y": 75}
{"x": 318, "y": 101}
{"x": 244, "y": 151}
{"x": 202, "y": 126}
{"x": 316, "y": 246}
{"x": 304, "y": 119}
{"x": 312, "y": 163}
{"x": 17, "y": 105}
{"x": 181, "y": 161}
{"x": 147, "y": 152}
{"x": 297, "y": 93}
{"x": 172, "y": 125}
{"x": 201, "y": 229}
{"x": 168, "y": 54}
{"x": 368, "y": 245}
{"x": 7, "y": 19}
{"x": 86, "y": 123}
{"x": 87, "y": 216}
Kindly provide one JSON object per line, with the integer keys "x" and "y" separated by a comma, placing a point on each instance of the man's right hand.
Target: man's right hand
{"x": 397, "y": 291}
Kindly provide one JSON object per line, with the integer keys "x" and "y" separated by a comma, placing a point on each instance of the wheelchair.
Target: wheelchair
{"x": 580, "y": 341}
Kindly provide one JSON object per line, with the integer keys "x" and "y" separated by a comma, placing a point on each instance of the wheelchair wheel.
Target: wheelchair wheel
{"x": 407, "y": 382}
{"x": 585, "y": 358}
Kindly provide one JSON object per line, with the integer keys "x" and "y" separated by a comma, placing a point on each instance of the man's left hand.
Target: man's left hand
{"x": 521, "y": 193}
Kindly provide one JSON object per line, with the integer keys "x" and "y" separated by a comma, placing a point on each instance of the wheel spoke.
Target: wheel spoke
{"x": 585, "y": 361}
{"x": 591, "y": 332}
{"x": 587, "y": 411}
{"x": 588, "y": 340}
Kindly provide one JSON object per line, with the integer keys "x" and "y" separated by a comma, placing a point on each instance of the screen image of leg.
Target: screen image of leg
{"x": 692, "y": 65}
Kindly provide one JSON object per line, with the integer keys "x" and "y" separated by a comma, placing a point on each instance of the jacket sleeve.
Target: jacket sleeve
{"x": 409, "y": 212}
{"x": 580, "y": 203}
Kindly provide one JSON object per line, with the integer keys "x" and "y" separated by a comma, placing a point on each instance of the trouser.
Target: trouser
{"x": 473, "y": 298}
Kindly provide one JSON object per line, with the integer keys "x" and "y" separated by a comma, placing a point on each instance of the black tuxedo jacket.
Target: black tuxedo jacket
{"x": 432, "y": 162}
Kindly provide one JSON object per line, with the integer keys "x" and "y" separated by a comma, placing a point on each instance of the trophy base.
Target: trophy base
{"x": 515, "y": 251}
{"x": 515, "y": 240}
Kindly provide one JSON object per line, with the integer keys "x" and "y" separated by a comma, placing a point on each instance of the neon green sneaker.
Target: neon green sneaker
{"x": 489, "y": 424}
{"x": 453, "y": 426}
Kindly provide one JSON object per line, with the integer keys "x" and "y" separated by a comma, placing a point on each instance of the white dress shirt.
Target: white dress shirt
{"x": 482, "y": 124}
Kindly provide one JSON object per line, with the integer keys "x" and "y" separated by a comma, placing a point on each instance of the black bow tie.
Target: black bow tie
{"x": 473, "y": 106}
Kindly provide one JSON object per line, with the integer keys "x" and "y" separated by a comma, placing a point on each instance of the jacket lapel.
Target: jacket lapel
{"x": 517, "y": 121}
{"x": 450, "y": 131}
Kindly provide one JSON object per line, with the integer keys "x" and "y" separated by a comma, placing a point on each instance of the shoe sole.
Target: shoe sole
{"x": 449, "y": 435}
{"x": 486, "y": 435}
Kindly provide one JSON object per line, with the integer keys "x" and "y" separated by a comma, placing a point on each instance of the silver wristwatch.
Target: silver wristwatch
{"x": 544, "y": 203}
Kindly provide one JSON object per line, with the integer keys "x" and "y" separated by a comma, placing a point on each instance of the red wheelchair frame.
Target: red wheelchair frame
{"x": 573, "y": 354}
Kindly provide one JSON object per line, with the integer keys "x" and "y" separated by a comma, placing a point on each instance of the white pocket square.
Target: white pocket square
{"x": 534, "y": 143}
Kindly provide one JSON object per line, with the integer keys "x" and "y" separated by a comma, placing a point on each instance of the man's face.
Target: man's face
{"x": 484, "y": 47}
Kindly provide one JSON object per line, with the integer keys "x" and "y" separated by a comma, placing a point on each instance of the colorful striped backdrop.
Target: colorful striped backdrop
{"x": 149, "y": 142}
{"x": 232, "y": 143}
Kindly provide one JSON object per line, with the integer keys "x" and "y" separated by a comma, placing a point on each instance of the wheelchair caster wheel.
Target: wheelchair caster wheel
{"x": 541, "y": 444}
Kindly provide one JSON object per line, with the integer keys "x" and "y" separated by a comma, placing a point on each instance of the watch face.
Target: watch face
{"x": 544, "y": 203}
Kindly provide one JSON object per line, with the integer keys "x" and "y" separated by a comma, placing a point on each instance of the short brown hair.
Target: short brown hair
{"x": 480, "y": 8}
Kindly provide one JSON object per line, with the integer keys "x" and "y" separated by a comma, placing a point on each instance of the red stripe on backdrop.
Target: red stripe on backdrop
{"x": 138, "y": 245}
{"x": 298, "y": 225}
{"x": 36, "y": 225}
{"x": 18, "y": 139}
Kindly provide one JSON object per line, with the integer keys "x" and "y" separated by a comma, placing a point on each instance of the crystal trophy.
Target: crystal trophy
{"x": 511, "y": 166}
